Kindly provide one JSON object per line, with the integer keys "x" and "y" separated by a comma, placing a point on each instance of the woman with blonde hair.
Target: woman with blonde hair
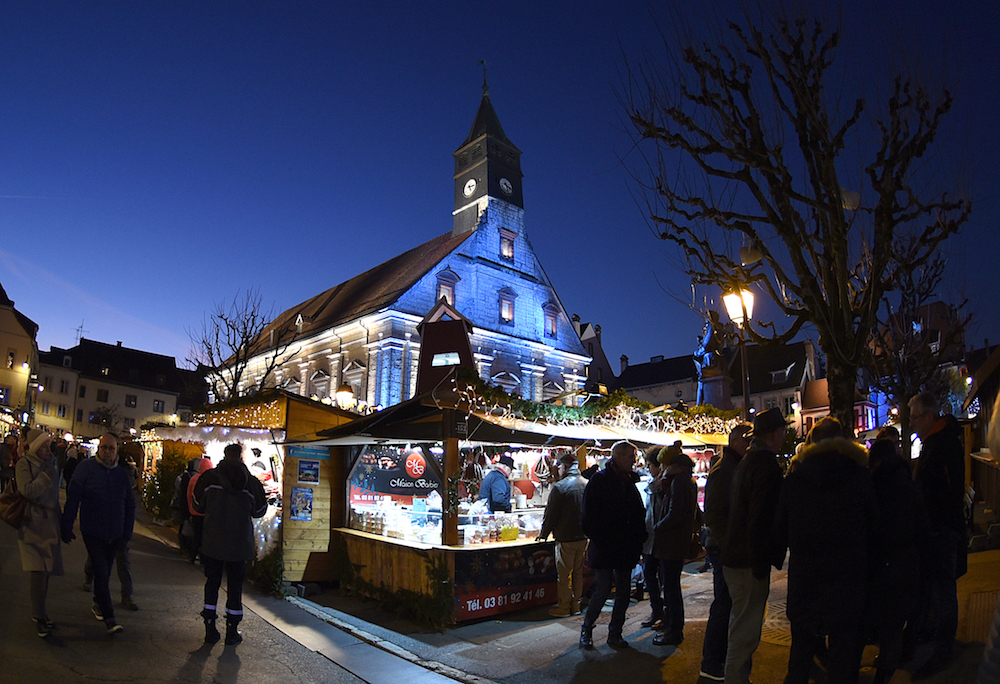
{"x": 38, "y": 536}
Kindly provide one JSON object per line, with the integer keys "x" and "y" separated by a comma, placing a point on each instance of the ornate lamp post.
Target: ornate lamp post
{"x": 739, "y": 306}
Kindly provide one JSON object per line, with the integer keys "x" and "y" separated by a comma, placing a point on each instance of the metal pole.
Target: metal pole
{"x": 746, "y": 376}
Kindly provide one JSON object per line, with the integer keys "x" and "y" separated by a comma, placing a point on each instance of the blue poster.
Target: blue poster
{"x": 308, "y": 472}
{"x": 302, "y": 504}
{"x": 320, "y": 453}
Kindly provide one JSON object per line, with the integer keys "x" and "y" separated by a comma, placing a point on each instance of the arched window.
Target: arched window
{"x": 446, "y": 282}
{"x": 506, "y": 298}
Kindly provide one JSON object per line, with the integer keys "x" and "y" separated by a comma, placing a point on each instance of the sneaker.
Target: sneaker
{"x": 706, "y": 678}
{"x": 114, "y": 627}
{"x": 44, "y": 627}
{"x": 127, "y": 602}
{"x": 556, "y": 613}
{"x": 97, "y": 612}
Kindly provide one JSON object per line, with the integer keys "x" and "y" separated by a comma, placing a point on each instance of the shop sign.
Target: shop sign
{"x": 318, "y": 452}
{"x": 490, "y": 581}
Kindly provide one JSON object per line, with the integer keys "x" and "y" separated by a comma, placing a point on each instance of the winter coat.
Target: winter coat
{"x": 229, "y": 496}
{"x": 564, "y": 511}
{"x": 901, "y": 536}
{"x": 676, "y": 515}
{"x": 613, "y": 519}
{"x": 105, "y": 500}
{"x": 203, "y": 465}
{"x": 749, "y": 540}
{"x": 827, "y": 516}
{"x": 718, "y": 491}
{"x": 940, "y": 473}
{"x": 650, "y": 494}
{"x": 496, "y": 490}
{"x": 38, "y": 536}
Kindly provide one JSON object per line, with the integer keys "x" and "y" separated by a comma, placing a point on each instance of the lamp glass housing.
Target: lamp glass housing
{"x": 737, "y": 303}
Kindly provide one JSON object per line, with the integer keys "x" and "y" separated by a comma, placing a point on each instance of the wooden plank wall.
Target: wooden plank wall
{"x": 388, "y": 565}
{"x": 307, "y": 543}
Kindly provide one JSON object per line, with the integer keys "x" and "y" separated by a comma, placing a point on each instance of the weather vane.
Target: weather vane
{"x": 486, "y": 88}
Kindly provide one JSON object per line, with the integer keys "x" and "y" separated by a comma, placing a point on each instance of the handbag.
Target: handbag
{"x": 13, "y": 505}
{"x": 696, "y": 551}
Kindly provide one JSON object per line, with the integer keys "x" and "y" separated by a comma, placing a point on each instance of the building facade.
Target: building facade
{"x": 363, "y": 332}
{"x": 18, "y": 371}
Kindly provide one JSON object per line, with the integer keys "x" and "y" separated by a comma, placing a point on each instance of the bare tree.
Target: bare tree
{"x": 748, "y": 149}
{"x": 909, "y": 351}
{"x": 231, "y": 337}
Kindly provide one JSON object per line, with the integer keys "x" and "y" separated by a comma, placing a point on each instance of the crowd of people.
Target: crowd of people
{"x": 874, "y": 543}
{"x": 100, "y": 490}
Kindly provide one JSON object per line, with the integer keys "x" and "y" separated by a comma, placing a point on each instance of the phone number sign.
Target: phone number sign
{"x": 499, "y": 579}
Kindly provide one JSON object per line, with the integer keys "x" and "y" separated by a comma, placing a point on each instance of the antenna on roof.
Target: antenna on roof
{"x": 79, "y": 332}
{"x": 486, "y": 88}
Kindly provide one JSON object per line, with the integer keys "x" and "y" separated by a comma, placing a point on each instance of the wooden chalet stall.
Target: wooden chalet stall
{"x": 403, "y": 525}
{"x": 293, "y": 476}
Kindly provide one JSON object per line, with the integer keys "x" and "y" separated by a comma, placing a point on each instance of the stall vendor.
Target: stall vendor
{"x": 496, "y": 486}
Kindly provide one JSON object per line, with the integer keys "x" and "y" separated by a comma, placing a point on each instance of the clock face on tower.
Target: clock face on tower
{"x": 506, "y": 186}
{"x": 470, "y": 187}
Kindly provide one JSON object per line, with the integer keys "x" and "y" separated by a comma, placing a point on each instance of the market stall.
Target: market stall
{"x": 405, "y": 526}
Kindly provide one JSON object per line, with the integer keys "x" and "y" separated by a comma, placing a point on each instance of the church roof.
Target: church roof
{"x": 487, "y": 122}
{"x": 373, "y": 290}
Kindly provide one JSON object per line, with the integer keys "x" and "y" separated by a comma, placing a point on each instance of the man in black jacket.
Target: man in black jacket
{"x": 717, "y": 500}
{"x": 564, "y": 520}
{"x": 229, "y": 497}
{"x": 615, "y": 521}
{"x": 749, "y": 548}
{"x": 940, "y": 476}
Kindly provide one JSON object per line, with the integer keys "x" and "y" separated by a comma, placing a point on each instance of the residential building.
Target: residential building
{"x": 98, "y": 386}
{"x": 599, "y": 371}
{"x": 363, "y": 333}
{"x": 18, "y": 382}
{"x": 661, "y": 381}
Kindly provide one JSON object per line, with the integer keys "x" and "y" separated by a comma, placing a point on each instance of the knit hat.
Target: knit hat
{"x": 668, "y": 453}
{"x": 36, "y": 438}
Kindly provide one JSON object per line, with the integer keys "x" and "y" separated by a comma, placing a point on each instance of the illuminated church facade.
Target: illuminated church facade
{"x": 363, "y": 333}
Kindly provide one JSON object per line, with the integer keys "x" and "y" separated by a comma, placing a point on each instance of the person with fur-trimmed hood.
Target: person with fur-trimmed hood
{"x": 827, "y": 518}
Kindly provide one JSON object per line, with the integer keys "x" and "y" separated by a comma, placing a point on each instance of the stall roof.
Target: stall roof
{"x": 422, "y": 419}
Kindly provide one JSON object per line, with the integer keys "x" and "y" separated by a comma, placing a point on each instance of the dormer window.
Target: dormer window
{"x": 299, "y": 322}
{"x": 550, "y": 312}
{"x": 507, "y": 244}
{"x": 780, "y": 376}
{"x": 506, "y": 301}
{"x": 446, "y": 281}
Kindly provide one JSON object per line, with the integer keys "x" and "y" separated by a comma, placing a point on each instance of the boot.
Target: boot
{"x": 212, "y": 635}
{"x": 587, "y": 638}
{"x": 233, "y": 637}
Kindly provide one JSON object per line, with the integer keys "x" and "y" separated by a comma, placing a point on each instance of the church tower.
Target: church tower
{"x": 487, "y": 165}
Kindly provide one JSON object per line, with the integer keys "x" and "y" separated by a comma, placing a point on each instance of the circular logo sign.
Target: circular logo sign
{"x": 415, "y": 465}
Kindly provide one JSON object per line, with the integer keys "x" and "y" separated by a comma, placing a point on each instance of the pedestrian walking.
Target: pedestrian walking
{"x": 102, "y": 494}
{"x": 749, "y": 549}
{"x": 123, "y": 564}
{"x": 650, "y": 563}
{"x": 38, "y": 537}
{"x": 563, "y": 519}
{"x": 197, "y": 519}
{"x": 229, "y": 497}
{"x": 615, "y": 522}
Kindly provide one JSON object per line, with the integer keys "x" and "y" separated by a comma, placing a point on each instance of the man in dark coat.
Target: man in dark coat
{"x": 102, "y": 493}
{"x": 717, "y": 501}
{"x": 749, "y": 548}
{"x": 940, "y": 476}
{"x": 901, "y": 533}
{"x": 563, "y": 519}
{"x": 229, "y": 497}
{"x": 827, "y": 517}
{"x": 615, "y": 521}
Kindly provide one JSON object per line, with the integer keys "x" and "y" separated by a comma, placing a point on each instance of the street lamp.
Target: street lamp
{"x": 345, "y": 397}
{"x": 739, "y": 306}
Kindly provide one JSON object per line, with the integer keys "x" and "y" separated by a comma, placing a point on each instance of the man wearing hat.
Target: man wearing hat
{"x": 496, "y": 486}
{"x": 749, "y": 548}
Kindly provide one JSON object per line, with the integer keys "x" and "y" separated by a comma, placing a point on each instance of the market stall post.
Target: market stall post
{"x": 449, "y": 513}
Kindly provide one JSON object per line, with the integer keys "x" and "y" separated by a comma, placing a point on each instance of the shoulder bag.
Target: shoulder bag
{"x": 13, "y": 505}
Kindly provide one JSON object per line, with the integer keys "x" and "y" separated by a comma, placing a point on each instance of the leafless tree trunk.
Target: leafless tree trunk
{"x": 230, "y": 337}
{"x": 745, "y": 146}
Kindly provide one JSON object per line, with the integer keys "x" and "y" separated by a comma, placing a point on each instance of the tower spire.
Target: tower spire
{"x": 486, "y": 87}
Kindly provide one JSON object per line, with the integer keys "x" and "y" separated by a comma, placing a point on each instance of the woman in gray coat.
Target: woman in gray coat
{"x": 38, "y": 536}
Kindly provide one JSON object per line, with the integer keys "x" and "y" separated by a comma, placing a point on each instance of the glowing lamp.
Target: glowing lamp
{"x": 738, "y": 304}
{"x": 345, "y": 396}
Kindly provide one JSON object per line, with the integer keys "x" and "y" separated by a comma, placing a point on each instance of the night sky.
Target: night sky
{"x": 156, "y": 158}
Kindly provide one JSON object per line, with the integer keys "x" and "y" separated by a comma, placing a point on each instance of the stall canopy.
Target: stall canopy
{"x": 422, "y": 419}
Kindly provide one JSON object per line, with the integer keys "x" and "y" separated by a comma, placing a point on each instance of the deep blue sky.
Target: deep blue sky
{"x": 156, "y": 158}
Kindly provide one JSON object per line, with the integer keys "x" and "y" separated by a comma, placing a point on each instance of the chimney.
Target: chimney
{"x": 624, "y": 363}
{"x": 119, "y": 343}
{"x": 597, "y": 329}
{"x": 576, "y": 323}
